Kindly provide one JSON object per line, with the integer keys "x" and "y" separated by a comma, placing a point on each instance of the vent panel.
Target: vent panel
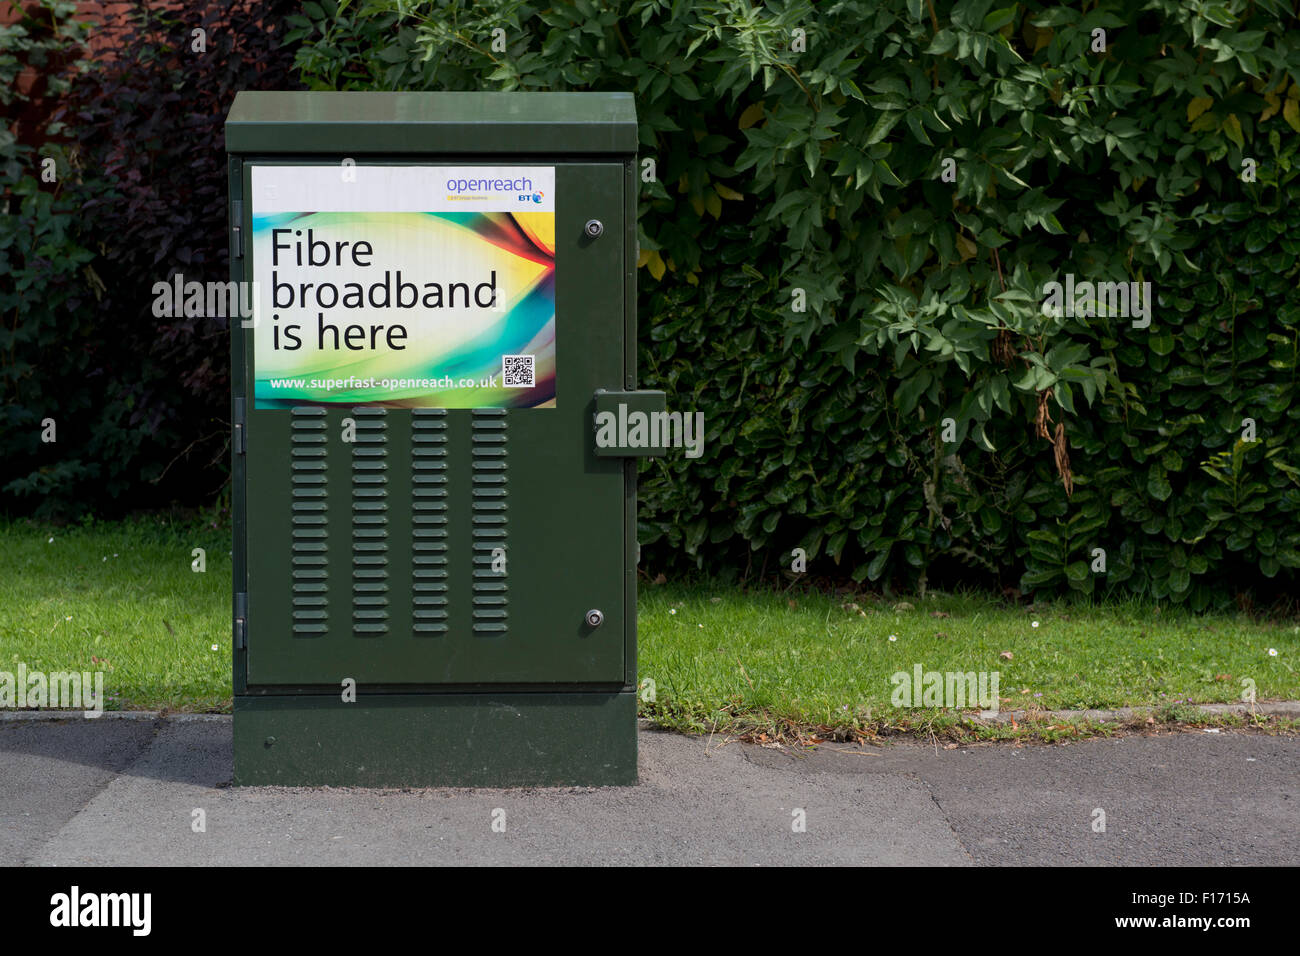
{"x": 309, "y": 548}
{"x": 489, "y": 521}
{"x": 429, "y": 521}
{"x": 370, "y": 523}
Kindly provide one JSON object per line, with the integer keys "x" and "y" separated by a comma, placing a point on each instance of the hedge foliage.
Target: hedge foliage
{"x": 848, "y": 226}
{"x": 139, "y": 404}
{"x": 818, "y": 287}
{"x": 46, "y": 294}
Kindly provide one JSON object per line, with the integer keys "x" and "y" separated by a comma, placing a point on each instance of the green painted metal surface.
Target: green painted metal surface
{"x": 517, "y": 124}
{"x": 442, "y": 653}
{"x": 564, "y": 548}
{"x": 459, "y": 740}
{"x": 620, "y": 405}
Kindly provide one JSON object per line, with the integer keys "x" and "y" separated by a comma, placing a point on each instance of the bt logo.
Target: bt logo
{"x": 535, "y": 197}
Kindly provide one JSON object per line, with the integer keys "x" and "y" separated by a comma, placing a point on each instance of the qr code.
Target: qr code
{"x": 518, "y": 371}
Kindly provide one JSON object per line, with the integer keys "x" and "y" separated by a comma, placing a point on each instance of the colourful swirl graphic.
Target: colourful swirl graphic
{"x": 404, "y": 309}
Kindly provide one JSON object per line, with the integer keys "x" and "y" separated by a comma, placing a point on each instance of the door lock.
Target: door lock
{"x": 594, "y": 228}
{"x": 595, "y": 617}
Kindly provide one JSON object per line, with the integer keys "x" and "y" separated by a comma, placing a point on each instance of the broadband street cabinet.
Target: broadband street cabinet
{"x": 434, "y": 564}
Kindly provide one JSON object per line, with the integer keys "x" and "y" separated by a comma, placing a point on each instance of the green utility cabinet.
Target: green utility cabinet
{"x": 434, "y": 563}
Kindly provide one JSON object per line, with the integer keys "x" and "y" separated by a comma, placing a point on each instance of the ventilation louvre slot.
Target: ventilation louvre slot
{"x": 309, "y": 559}
{"x": 489, "y": 519}
{"x": 429, "y": 521}
{"x": 370, "y": 523}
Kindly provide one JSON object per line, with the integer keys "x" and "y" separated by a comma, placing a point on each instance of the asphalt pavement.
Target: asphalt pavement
{"x": 141, "y": 790}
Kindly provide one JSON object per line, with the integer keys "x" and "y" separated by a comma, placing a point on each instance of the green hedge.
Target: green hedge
{"x": 122, "y": 185}
{"x": 1112, "y": 144}
{"x": 854, "y": 212}
{"x": 47, "y": 292}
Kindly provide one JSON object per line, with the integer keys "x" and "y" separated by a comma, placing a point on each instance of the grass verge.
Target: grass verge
{"x": 801, "y": 666}
{"x": 124, "y": 598}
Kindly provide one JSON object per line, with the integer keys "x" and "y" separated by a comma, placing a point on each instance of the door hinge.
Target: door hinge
{"x": 241, "y": 620}
{"x": 236, "y": 229}
{"x": 239, "y": 436}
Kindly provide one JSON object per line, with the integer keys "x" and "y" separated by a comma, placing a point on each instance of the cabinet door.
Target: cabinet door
{"x": 428, "y": 533}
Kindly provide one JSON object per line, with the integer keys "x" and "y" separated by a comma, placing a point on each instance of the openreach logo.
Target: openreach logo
{"x": 522, "y": 187}
{"x": 76, "y": 909}
{"x": 61, "y": 690}
{"x": 955, "y": 690}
